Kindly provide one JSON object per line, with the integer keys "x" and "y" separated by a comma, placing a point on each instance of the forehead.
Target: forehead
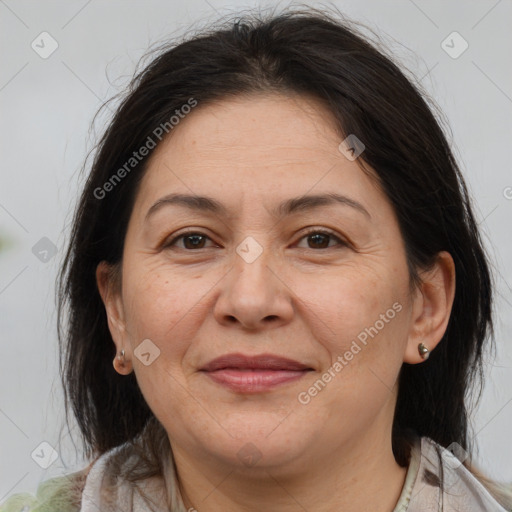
{"x": 256, "y": 147}
{"x": 255, "y": 125}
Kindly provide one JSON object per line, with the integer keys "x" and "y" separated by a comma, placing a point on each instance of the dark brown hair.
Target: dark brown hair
{"x": 294, "y": 52}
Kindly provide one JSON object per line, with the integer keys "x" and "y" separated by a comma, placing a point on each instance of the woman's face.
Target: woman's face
{"x": 268, "y": 271}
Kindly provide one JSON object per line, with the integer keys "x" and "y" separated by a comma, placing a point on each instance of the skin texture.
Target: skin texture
{"x": 298, "y": 299}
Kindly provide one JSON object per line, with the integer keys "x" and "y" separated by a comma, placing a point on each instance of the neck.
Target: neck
{"x": 354, "y": 476}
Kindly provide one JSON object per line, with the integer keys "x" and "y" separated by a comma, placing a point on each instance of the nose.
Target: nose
{"x": 254, "y": 296}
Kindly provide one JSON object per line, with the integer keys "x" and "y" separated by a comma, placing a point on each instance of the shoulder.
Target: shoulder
{"x": 445, "y": 477}
{"x": 60, "y": 494}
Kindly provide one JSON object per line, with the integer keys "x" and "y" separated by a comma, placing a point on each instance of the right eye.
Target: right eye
{"x": 191, "y": 240}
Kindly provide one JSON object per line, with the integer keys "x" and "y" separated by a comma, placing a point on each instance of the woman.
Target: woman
{"x": 276, "y": 249}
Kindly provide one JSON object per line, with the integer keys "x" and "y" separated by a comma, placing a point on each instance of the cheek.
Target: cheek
{"x": 158, "y": 306}
{"x": 354, "y": 305}
{"x": 362, "y": 324}
{"x": 160, "y": 311}
{"x": 159, "y": 293}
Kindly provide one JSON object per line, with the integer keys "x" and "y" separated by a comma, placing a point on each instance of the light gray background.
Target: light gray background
{"x": 47, "y": 106}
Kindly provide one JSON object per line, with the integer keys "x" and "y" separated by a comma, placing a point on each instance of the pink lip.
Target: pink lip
{"x": 254, "y": 381}
{"x": 252, "y": 374}
{"x": 259, "y": 362}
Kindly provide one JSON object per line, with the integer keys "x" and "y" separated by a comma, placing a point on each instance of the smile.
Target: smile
{"x": 250, "y": 380}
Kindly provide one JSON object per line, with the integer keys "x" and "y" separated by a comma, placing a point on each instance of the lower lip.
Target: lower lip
{"x": 254, "y": 381}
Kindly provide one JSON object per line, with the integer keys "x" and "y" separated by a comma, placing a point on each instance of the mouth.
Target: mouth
{"x": 254, "y": 374}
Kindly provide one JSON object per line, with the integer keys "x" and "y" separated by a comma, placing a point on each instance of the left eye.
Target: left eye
{"x": 320, "y": 239}
{"x": 315, "y": 239}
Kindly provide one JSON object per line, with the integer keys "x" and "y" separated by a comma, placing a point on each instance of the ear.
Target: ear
{"x": 432, "y": 307}
{"x": 110, "y": 292}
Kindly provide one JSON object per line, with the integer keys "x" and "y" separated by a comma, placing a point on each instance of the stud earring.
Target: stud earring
{"x": 119, "y": 360}
{"x": 423, "y": 351}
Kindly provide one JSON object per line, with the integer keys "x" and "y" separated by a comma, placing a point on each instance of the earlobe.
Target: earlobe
{"x": 431, "y": 309}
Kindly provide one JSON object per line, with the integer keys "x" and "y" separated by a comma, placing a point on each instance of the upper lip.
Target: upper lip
{"x": 262, "y": 361}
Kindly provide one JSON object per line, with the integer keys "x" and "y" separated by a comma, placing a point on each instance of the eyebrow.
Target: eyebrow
{"x": 288, "y": 207}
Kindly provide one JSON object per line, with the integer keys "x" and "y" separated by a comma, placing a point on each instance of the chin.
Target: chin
{"x": 260, "y": 441}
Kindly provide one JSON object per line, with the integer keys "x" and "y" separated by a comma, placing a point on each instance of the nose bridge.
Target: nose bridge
{"x": 252, "y": 294}
{"x": 252, "y": 275}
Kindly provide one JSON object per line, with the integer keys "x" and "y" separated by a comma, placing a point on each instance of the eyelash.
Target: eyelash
{"x": 313, "y": 231}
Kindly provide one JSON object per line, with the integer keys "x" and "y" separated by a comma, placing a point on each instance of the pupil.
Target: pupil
{"x": 317, "y": 239}
{"x": 196, "y": 238}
